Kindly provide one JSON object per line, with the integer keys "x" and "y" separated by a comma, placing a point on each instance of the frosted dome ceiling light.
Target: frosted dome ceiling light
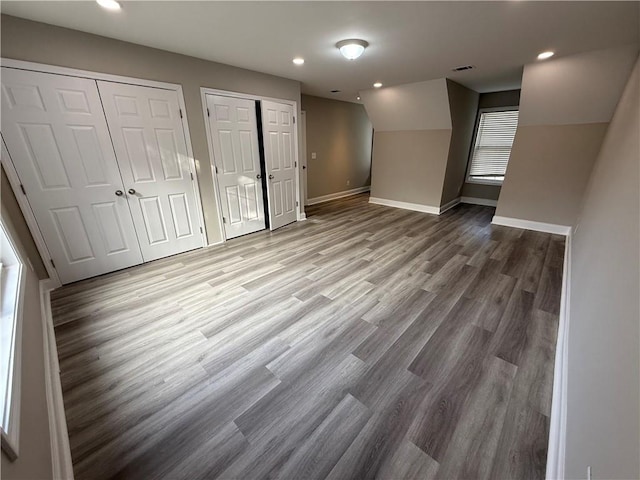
{"x": 352, "y": 49}
{"x": 545, "y": 55}
{"x": 298, "y": 61}
{"x": 109, "y": 4}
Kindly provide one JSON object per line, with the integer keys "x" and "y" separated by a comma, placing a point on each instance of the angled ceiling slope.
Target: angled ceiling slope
{"x": 409, "y": 41}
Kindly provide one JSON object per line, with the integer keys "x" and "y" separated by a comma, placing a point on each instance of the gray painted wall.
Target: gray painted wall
{"x": 409, "y": 166}
{"x": 603, "y": 420}
{"x": 34, "y": 458}
{"x": 463, "y": 104}
{"x": 38, "y": 42}
{"x": 565, "y": 106}
{"x": 411, "y": 142}
{"x": 341, "y": 135}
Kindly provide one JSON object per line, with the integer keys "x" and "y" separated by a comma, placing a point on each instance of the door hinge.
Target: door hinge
{"x": 191, "y": 173}
{"x": 216, "y": 167}
{"x": 296, "y": 203}
{"x": 201, "y": 230}
{"x": 295, "y": 164}
{"x": 208, "y": 113}
{"x": 224, "y": 220}
{"x": 53, "y": 264}
{"x": 180, "y": 110}
{"x": 294, "y": 119}
{"x": 23, "y": 190}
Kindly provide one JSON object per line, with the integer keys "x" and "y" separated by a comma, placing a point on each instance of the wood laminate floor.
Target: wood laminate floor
{"x": 365, "y": 342}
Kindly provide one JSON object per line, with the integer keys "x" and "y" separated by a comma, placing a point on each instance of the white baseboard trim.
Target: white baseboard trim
{"x": 417, "y": 207}
{"x": 479, "y": 201}
{"x": 449, "y": 205}
{"x": 62, "y": 467}
{"x": 335, "y": 196}
{"x": 531, "y": 225}
{"x": 302, "y": 217}
{"x": 558, "y": 423}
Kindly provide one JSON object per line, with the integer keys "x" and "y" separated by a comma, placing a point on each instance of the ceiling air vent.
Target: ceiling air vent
{"x": 462, "y": 68}
{"x": 335, "y": 91}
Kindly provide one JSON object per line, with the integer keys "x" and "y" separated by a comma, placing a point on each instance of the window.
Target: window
{"x": 495, "y": 131}
{"x": 12, "y": 290}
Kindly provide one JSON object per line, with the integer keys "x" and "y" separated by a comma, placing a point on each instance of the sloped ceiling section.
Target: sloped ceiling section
{"x": 582, "y": 88}
{"x": 415, "y": 106}
{"x": 565, "y": 109}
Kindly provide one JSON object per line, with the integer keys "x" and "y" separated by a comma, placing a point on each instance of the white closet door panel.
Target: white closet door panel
{"x": 151, "y": 150}
{"x": 279, "y": 130}
{"x": 55, "y": 131}
{"x": 234, "y": 133}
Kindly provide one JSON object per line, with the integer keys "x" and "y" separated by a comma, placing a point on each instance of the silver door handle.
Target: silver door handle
{"x": 271, "y": 177}
{"x": 119, "y": 193}
{"x": 132, "y": 191}
{"x": 258, "y": 176}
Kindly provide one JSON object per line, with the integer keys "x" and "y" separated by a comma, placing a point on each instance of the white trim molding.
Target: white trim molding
{"x": 62, "y": 467}
{"x": 558, "y": 423}
{"x": 531, "y": 225}
{"x": 335, "y": 196}
{"x": 417, "y": 207}
{"x": 479, "y": 201}
{"x": 448, "y": 205}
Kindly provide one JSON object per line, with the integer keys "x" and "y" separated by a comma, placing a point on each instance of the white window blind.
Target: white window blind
{"x": 492, "y": 146}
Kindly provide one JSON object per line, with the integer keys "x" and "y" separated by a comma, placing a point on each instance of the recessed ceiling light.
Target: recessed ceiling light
{"x": 109, "y": 4}
{"x": 545, "y": 55}
{"x": 352, "y": 48}
{"x": 298, "y": 61}
{"x": 377, "y": 85}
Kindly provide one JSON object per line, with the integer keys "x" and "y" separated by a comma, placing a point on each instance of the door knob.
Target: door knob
{"x": 119, "y": 193}
{"x": 258, "y": 176}
{"x": 271, "y": 177}
{"x": 132, "y": 191}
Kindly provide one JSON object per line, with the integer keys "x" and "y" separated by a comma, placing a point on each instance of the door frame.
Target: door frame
{"x": 204, "y": 91}
{"x": 14, "y": 179}
{"x": 305, "y": 167}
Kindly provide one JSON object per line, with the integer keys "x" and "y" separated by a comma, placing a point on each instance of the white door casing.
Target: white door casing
{"x": 234, "y": 133}
{"x": 278, "y": 129}
{"x": 150, "y": 146}
{"x": 55, "y": 131}
{"x": 303, "y": 159}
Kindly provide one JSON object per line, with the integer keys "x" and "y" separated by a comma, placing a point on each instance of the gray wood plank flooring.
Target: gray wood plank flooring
{"x": 365, "y": 342}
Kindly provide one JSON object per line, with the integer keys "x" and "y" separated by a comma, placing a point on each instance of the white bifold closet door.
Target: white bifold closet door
{"x": 151, "y": 150}
{"x": 279, "y": 148}
{"x": 55, "y": 131}
{"x": 234, "y": 133}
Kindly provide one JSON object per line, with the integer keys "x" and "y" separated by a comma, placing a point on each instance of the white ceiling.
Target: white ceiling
{"x": 409, "y": 41}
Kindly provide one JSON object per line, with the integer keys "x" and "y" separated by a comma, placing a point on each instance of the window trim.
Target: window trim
{"x": 468, "y": 178}
{"x": 10, "y": 414}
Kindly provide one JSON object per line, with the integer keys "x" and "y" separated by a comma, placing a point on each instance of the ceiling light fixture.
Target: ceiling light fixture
{"x": 109, "y": 4}
{"x": 298, "y": 61}
{"x": 352, "y": 48}
{"x": 358, "y": 97}
{"x": 545, "y": 55}
{"x": 377, "y": 85}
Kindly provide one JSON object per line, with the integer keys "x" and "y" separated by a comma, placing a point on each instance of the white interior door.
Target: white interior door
{"x": 279, "y": 148}
{"x": 55, "y": 131}
{"x": 151, "y": 151}
{"x": 234, "y": 134}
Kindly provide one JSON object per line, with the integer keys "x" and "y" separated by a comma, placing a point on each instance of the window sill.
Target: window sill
{"x": 495, "y": 183}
